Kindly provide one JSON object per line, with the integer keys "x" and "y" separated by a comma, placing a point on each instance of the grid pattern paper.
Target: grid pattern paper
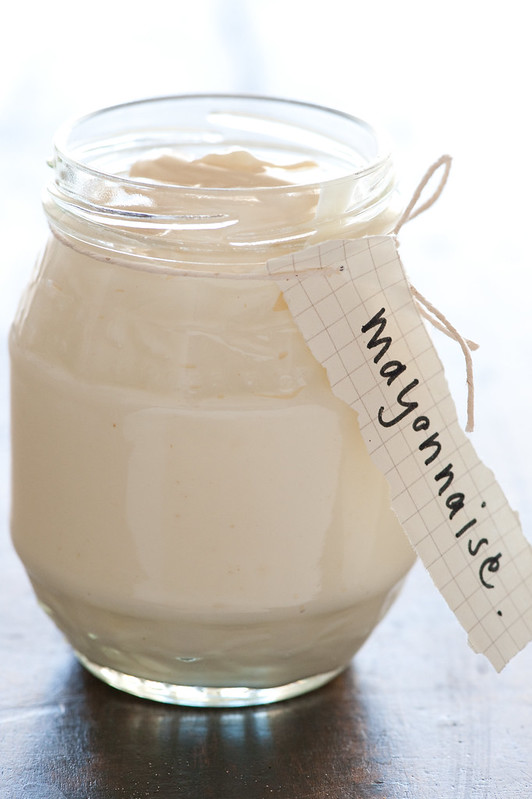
{"x": 351, "y": 302}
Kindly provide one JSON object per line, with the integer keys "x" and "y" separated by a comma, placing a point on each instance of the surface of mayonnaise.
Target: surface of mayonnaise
{"x": 192, "y": 503}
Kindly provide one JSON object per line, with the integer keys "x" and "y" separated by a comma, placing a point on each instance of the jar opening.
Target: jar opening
{"x": 107, "y": 142}
{"x": 347, "y": 180}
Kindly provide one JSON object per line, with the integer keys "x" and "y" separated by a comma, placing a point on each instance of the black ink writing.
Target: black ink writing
{"x": 430, "y": 442}
{"x": 408, "y": 406}
{"x": 492, "y": 565}
{"x": 431, "y": 447}
{"x": 473, "y": 550}
{"x": 379, "y": 322}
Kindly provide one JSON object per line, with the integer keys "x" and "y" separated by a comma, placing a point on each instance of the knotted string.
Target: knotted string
{"x": 426, "y": 308}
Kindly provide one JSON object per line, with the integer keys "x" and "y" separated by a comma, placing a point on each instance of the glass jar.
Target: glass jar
{"x": 196, "y": 510}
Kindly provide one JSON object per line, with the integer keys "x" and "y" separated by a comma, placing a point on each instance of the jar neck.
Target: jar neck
{"x": 95, "y": 206}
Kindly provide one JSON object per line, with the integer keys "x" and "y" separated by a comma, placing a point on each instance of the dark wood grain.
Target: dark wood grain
{"x": 417, "y": 716}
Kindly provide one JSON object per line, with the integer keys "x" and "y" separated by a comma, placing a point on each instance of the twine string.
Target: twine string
{"x": 426, "y": 308}
{"x": 411, "y": 211}
{"x": 436, "y": 318}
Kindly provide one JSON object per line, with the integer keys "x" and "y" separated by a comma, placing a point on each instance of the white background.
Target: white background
{"x": 439, "y": 77}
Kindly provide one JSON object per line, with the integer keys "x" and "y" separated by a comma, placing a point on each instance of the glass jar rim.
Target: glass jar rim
{"x": 92, "y": 202}
{"x": 68, "y": 155}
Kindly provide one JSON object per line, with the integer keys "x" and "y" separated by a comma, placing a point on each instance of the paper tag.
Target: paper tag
{"x": 353, "y": 305}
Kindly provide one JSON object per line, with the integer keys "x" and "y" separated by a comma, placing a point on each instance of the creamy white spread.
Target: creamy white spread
{"x": 232, "y": 169}
{"x": 192, "y": 503}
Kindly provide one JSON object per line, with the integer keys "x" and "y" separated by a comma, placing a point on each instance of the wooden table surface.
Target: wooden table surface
{"x": 416, "y": 716}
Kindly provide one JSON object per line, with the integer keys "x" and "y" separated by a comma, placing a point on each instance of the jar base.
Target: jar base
{"x": 204, "y": 696}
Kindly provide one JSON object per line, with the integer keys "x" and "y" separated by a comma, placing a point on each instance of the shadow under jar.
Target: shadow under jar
{"x": 196, "y": 510}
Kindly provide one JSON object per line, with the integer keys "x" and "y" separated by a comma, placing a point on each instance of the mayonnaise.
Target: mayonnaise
{"x": 193, "y": 505}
